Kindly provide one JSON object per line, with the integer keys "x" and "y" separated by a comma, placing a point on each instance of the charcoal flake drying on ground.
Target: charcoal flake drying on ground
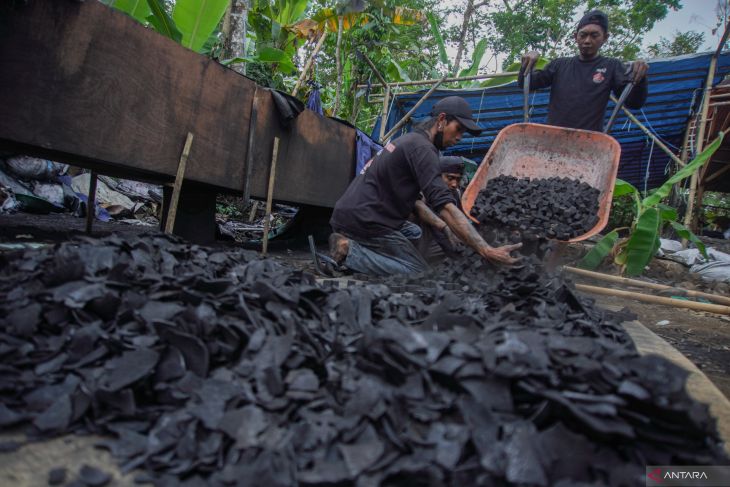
{"x": 228, "y": 369}
{"x": 556, "y": 208}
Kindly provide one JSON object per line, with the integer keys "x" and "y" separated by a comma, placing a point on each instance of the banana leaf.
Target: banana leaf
{"x": 663, "y": 191}
{"x": 686, "y": 233}
{"x": 599, "y": 252}
{"x": 439, "y": 40}
{"x": 162, "y": 22}
{"x": 139, "y": 9}
{"x": 274, "y": 55}
{"x": 643, "y": 242}
{"x": 197, "y": 20}
{"x": 476, "y": 59}
{"x": 667, "y": 213}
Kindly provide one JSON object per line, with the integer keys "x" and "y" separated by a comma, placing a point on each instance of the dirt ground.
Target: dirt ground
{"x": 702, "y": 337}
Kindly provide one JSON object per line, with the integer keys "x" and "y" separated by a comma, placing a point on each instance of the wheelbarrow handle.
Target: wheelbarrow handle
{"x": 526, "y": 92}
{"x": 619, "y": 104}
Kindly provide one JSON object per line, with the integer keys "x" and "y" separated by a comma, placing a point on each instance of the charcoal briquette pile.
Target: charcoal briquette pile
{"x": 555, "y": 208}
{"x": 203, "y": 367}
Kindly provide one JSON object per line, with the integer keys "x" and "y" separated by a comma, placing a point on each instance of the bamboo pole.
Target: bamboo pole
{"x": 407, "y": 116}
{"x": 375, "y": 70}
{"x": 689, "y": 217}
{"x": 507, "y": 74}
{"x": 384, "y": 119}
{"x": 677, "y": 303}
{"x": 718, "y": 173}
{"x": 649, "y": 285}
{"x": 172, "y": 212}
{"x": 653, "y": 137}
{"x": 309, "y": 63}
{"x": 270, "y": 196}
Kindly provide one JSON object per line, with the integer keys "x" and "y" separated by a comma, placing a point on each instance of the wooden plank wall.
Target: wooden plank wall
{"x": 86, "y": 84}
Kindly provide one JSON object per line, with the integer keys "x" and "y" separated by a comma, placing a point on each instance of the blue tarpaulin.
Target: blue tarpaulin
{"x": 675, "y": 91}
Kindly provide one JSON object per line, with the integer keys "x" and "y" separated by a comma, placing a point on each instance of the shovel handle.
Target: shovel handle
{"x": 619, "y": 104}
{"x": 526, "y": 93}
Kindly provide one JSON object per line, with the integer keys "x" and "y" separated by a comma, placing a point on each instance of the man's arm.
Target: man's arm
{"x": 539, "y": 78}
{"x": 460, "y": 225}
{"x": 424, "y": 213}
{"x": 639, "y": 93}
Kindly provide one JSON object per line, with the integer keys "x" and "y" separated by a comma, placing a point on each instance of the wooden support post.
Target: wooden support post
{"x": 172, "y": 212}
{"x": 270, "y": 196}
{"x": 249, "y": 150}
{"x": 677, "y": 303}
{"x": 407, "y": 116}
{"x": 649, "y": 285}
{"x": 254, "y": 209}
{"x": 309, "y": 63}
{"x": 91, "y": 202}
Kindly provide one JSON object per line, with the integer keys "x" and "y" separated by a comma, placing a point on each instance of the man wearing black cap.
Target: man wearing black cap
{"x": 368, "y": 218}
{"x": 580, "y": 86}
{"x": 437, "y": 240}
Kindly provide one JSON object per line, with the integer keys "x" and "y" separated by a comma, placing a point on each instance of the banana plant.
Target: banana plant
{"x": 192, "y": 23}
{"x": 635, "y": 251}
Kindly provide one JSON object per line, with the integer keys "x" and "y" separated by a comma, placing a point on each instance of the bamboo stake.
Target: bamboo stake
{"x": 678, "y": 303}
{"x": 172, "y": 212}
{"x": 407, "y": 116}
{"x": 653, "y": 137}
{"x": 649, "y": 285}
{"x": 270, "y": 196}
{"x": 717, "y": 174}
{"x": 309, "y": 63}
{"x": 91, "y": 202}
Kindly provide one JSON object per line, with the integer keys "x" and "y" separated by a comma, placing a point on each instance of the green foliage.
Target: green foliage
{"x": 139, "y": 9}
{"x": 162, "y": 22}
{"x": 197, "y": 20}
{"x": 650, "y": 217}
{"x": 439, "y": 39}
{"x": 682, "y": 43}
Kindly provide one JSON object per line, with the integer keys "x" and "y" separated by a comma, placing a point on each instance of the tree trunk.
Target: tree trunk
{"x": 462, "y": 35}
{"x": 234, "y": 32}
{"x": 339, "y": 68}
{"x": 470, "y": 9}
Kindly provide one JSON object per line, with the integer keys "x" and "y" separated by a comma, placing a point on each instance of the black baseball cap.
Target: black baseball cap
{"x": 594, "y": 17}
{"x": 459, "y": 108}
{"x": 451, "y": 164}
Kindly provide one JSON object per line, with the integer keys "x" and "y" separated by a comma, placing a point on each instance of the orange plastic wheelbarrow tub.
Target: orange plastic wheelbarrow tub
{"x": 536, "y": 151}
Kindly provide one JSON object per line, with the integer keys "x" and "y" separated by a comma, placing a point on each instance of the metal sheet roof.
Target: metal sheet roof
{"x": 675, "y": 90}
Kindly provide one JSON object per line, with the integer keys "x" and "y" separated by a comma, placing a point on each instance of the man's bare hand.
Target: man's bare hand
{"x": 529, "y": 59}
{"x": 501, "y": 255}
{"x": 639, "y": 69}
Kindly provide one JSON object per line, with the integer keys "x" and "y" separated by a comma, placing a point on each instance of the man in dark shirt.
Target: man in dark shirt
{"x": 437, "y": 240}
{"x": 580, "y": 86}
{"x": 367, "y": 219}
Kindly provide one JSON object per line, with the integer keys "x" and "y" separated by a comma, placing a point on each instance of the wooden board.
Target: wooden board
{"x": 86, "y": 84}
{"x": 316, "y": 156}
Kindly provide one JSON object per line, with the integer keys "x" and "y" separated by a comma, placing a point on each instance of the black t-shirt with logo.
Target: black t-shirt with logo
{"x": 378, "y": 201}
{"x": 580, "y": 90}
